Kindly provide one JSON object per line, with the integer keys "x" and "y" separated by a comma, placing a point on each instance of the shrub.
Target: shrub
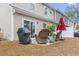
{"x": 51, "y": 26}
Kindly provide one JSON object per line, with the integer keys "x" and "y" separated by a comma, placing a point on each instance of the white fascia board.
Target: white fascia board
{"x": 32, "y": 14}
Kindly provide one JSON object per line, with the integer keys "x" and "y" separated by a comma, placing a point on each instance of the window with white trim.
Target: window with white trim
{"x": 45, "y": 10}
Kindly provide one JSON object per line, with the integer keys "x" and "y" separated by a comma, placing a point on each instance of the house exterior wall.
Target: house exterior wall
{"x": 38, "y": 23}
{"x": 5, "y": 20}
{"x": 10, "y": 21}
{"x": 19, "y": 22}
{"x": 38, "y": 8}
{"x": 58, "y": 16}
{"x": 41, "y": 9}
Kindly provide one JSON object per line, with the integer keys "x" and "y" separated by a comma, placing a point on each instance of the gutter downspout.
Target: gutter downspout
{"x": 55, "y": 15}
{"x": 12, "y": 22}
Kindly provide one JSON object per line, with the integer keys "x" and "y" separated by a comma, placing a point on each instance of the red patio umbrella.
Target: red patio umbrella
{"x": 61, "y": 25}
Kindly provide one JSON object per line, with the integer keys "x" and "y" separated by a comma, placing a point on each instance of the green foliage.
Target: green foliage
{"x": 51, "y": 27}
{"x": 72, "y": 11}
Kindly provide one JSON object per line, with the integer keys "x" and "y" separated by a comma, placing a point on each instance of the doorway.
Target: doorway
{"x": 31, "y": 26}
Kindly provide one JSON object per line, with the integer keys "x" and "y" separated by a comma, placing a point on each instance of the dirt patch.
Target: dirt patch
{"x": 68, "y": 47}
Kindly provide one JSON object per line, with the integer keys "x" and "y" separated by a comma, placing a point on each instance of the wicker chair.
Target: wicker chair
{"x": 42, "y": 36}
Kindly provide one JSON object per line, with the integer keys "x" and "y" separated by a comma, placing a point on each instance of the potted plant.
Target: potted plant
{"x": 51, "y": 28}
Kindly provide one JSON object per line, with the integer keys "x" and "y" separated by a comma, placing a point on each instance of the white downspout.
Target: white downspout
{"x": 12, "y": 24}
{"x": 55, "y": 15}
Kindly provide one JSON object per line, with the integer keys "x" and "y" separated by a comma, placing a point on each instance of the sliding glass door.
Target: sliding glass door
{"x": 31, "y": 26}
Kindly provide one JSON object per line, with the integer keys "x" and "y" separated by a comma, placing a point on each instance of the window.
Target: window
{"x": 50, "y": 12}
{"x": 45, "y": 10}
{"x": 32, "y": 6}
